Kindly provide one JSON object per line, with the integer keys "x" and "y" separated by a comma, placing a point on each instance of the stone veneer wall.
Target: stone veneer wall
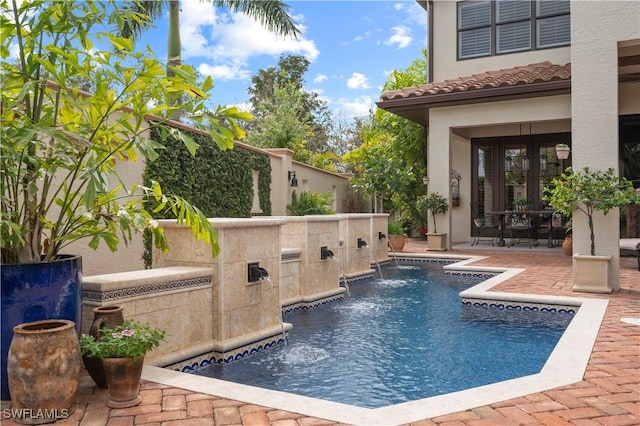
{"x": 210, "y": 310}
{"x": 356, "y": 261}
{"x": 379, "y": 248}
{"x": 173, "y": 299}
{"x": 241, "y": 310}
{"x": 318, "y": 279}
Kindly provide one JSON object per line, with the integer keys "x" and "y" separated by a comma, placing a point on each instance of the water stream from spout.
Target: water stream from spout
{"x": 342, "y": 277}
{"x": 395, "y": 256}
{"x": 379, "y": 268}
{"x": 267, "y": 279}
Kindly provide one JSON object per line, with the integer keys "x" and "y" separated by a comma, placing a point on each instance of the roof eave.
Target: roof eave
{"x": 416, "y": 108}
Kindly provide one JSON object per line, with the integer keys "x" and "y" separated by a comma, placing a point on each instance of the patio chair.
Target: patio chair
{"x": 631, "y": 245}
{"x": 520, "y": 225}
{"x": 483, "y": 227}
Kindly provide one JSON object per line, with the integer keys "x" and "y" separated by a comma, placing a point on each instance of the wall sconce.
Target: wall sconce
{"x": 292, "y": 179}
{"x": 508, "y": 164}
{"x": 562, "y": 151}
{"x": 525, "y": 164}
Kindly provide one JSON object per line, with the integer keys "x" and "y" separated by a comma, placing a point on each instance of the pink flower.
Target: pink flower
{"x": 128, "y": 333}
{"x": 116, "y": 335}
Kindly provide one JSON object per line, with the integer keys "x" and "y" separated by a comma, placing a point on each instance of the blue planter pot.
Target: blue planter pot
{"x": 35, "y": 292}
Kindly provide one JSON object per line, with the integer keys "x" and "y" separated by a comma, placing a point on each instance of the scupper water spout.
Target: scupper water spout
{"x": 325, "y": 253}
{"x": 362, "y": 243}
{"x": 256, "y": 273}
{"x": 381, "y": 236}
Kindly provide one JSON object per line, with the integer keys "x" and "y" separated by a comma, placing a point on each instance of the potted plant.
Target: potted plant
{"x": 587, "y": 192}
{"x": 122, "y": 350}
{"x": 63, "y": 150}
{"x": 521, "y": 204}
{"x": 435, "y": 204}
{"x": 397, "y": 235}
{"x": 567, "y": 243}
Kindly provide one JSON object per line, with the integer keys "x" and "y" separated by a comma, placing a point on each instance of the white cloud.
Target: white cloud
{"x": 366, "y": 35}
{"x": 244, "y": 106}
{"x": 319, "y": 78}
{"x": 401, "y": 37}
{"x": 358, "y": 81}
{"x": 224, "y": 72}
{"x": 355, "y": 107}
{"x": 230, "y": 40}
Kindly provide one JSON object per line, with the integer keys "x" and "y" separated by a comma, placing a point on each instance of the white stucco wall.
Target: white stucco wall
{"x": 126, "y": 258}
{"x": 444, "y": 50}
{"x": 596, "y": 29}
{"x": 309, "y": 179}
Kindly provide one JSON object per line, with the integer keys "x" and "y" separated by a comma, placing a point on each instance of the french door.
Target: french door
{"x": 506, "y": 169}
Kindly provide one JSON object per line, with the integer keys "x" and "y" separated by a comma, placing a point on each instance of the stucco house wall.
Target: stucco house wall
{"x": 444, "y": 49}
{"x": 598, "y": 29}
{"x": 581, "y": 90}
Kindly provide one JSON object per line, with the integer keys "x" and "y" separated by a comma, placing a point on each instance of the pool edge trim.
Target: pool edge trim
{"x": 566, "y": 365}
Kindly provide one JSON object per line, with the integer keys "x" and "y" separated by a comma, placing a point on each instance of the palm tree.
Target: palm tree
{"x": 270, "y": 13}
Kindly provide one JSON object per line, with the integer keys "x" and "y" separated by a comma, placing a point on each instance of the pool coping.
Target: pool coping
{"x": 566, "y": 364}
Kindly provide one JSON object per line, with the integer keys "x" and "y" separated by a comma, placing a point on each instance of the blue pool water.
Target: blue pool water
{"x": 397, "y": 339}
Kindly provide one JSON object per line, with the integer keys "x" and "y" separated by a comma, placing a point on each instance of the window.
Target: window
{"x": 488, "y": 28}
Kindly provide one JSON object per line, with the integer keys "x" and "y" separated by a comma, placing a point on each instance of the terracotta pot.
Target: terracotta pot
{"x": 567, "y": 246}
{"x": 44, "y": 370}
{"x": 397, "y": 242}
{"x": 123, "y": 380}
{"x": 103, "y": 317}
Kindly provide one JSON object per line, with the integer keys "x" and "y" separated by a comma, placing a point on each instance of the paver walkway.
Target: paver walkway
{"x": 609, "y": 394}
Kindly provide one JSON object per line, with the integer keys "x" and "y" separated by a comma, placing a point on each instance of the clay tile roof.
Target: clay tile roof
{"x": 528, "y": 74}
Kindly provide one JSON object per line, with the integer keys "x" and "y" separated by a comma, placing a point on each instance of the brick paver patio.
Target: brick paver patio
{"x": 608, "y": 395}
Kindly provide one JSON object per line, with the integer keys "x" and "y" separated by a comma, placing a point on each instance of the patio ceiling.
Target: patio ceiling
{"x": 629, "y": 61}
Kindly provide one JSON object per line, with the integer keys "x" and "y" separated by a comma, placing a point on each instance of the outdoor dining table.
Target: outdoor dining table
{"x": 500, "y": 215}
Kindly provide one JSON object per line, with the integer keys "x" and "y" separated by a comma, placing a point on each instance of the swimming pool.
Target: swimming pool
{"x": 397, "y": 339}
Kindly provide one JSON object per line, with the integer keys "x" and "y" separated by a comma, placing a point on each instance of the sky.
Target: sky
{"x": 352, "y": 47}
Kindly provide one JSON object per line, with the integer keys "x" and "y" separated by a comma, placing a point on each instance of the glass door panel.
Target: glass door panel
{"x": 516, "y": 170}
{"x": 549, "y": 167}
{"x": 485, "y": 179}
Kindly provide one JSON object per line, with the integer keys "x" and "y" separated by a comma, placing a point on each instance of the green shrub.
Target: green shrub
{"x": 434, "y": 203}
{"x": 310, "y": 203}
{"x": 395, "y": 228}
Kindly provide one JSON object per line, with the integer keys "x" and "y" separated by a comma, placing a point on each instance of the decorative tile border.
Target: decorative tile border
{"x": 436, "y": 260}
{"x": 215, "y": 357}
{"x": 355, "y": 279}
{"x": 471, "y": 274}
{"x": 125, "y": 293}
{"x": 303, "y": 306}
{"x": 520, "y": 306}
